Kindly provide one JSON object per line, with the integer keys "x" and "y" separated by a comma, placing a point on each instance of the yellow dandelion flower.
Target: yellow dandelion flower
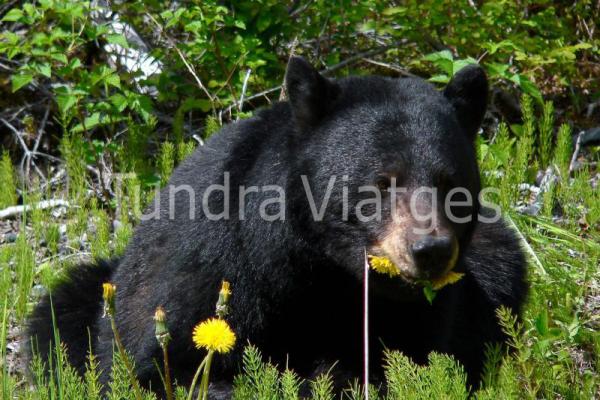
{"x": 108, "y": 294}
{"x": 108, "y": 291}
{"x": 448, "y": 279}
{"x": 214, "y": 335}
{"x": 383, "y": 265}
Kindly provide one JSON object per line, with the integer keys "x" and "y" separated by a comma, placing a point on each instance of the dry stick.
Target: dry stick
{"x": 393, "y": 67}
{"x": 19, "y": 139}
{"x": 300, "y": 9}
{"x": 41, "y": 130}
{"x": 189, "y": 67}
{"x": 224, "y": 68}
{"x": 244, "y": 87}
{"x": 293, "y": 45}
{"x": 360, "y": 56}
{"x": 575, "y": 153}
{"x": 42, "y": 205}
{"x": 28, "y": 154}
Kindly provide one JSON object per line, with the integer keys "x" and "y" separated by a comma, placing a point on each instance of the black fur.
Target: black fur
{"x": 77, "y": 303}
{"x": 297, "y": 283}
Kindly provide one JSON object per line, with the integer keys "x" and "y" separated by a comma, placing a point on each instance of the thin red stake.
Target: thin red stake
{"x": 366, "y": 327}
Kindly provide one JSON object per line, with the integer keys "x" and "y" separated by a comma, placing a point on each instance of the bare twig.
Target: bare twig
{"x": 83, "y": 255}
{"x": 223, "y": 67}
{"x": 58, "y": 177}
{"x": 28, "y": 156}
{"x": 198, "y": 139}
{"x": 26, "y": 151}
{"x": 300, "y": 9}
{"x": 189, "y": 67}
{"x": 42, "y": 205}
{"x": 327, "y": 71}
{"x": 244, "y": 87}
{"x": 575, "y": 153}
{"x": 393, "y": 67}
{"x": 6, "y": 7}
{"x": 41, "y": 129}
{"x": 364, "y": 54}
{"x": 293, "y": 45}
{"x": 48, "y": 156}
{"x": 264, "y": 93}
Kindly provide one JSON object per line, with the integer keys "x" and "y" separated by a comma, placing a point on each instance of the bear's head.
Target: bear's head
{"x": 393, "y": 163}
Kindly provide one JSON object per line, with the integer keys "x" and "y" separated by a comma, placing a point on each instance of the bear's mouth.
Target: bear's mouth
{"x": 384, "y": 264}
{"x": 405, "y": 269}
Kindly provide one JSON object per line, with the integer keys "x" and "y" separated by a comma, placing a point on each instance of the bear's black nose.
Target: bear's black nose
{"x": 432, "y": 254}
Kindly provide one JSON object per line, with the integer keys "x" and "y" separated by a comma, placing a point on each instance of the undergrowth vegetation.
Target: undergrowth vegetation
{"x": 82, "y": 124}
{"x": 555, "y": 348}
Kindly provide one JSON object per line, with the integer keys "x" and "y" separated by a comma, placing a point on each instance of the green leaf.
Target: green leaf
{"x": 118, "y": 39}
{"x": 429, "y": 293}
{"x": 497, "y": 69}
{"x": 193, "y": 26}
{"x": 394, "y": 11}
{"x": 20, "y": 80}
{"x": 89, "y": 122}
{"x": 541, "y": 323}
{"x": 61, "y": 57}
{"x": 96, "y": 119}
{"x": 460, "y": 64}
{"x": 65, "y": 102}
{"x": 119, "y": 101}
{"x": 29, "y": 9}
{"x": 45, "y": 70}
{"x": 440, "y": 55}
{"x": 13, "y": 15}
{"x": 113, "y": 80}
{"x": 239, "y": 24}
{"x": 440, "y": 78}
{"x": 527, "y": 87}
{"x": 191, "y": 103}
{"x": 442, "y": 60}
{"x": 492, "y": 47}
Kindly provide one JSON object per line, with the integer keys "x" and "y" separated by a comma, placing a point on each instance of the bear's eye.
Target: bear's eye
{"x": 383, "y": 182}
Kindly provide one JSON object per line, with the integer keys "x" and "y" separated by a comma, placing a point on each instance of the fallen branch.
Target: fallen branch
{"x": 244, "y": 87}
{"x": 575, "y": 153}
{"x": 42, "y": 205}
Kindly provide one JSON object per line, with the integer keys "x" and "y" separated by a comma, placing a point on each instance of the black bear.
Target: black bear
{"x": 284, "y": 206}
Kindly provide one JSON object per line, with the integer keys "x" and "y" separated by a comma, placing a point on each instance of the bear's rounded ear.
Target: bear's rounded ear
{"x": 309, "y": 93}
{"x": 468, "y": 92}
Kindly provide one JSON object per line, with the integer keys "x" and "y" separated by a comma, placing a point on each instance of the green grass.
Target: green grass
{"x": 556, "y": 347}
{"x": 8, "y": 194}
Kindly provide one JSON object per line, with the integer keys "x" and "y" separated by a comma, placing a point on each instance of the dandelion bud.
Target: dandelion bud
{"x": 224, "y": 294}
{"x": 108, "y": 294}
{"x": 161, "y": 331}
{"x": 225, "y": 291}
